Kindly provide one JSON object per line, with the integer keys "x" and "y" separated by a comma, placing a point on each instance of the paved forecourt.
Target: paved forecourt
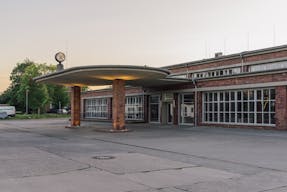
{"x": 40, "y": 155}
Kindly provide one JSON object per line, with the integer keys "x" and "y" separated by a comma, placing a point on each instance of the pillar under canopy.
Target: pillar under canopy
{"x": 119, "y": 105}
{"x": 75, "y": 106}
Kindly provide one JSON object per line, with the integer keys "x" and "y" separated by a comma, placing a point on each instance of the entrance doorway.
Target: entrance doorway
{"x": 154, "y": 106}
{"x": 187, "y": 109}
{"x": 167, "y": 113}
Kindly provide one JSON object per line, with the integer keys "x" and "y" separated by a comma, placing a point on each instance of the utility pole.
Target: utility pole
{"x": 27, "y": 100}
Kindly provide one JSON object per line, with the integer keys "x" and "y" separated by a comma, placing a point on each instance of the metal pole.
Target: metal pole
{"x": 27, "y": 104}
{"x": 195, "y": 106}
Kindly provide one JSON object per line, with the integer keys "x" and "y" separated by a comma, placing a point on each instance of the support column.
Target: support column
{"x": 281, "y": 107}
{"x": 119, "y": 102}
{"x": 75, "y": 106}
{"x": 176, "y": 109}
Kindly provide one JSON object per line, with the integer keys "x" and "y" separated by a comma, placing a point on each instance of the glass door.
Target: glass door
{"x": 154, "y": 108}
{"x": 187, "y": 109}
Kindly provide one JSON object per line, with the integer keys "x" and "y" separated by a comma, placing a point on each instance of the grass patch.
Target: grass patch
{"x": 36, "y": 116}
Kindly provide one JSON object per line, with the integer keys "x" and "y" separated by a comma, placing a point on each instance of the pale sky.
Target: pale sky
{"x": 135, "y": 32}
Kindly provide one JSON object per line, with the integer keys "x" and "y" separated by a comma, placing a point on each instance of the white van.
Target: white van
{"x": 9, "y": 110}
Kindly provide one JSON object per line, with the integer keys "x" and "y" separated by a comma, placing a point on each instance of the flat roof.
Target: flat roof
{"x": 105, "y": 74}
{"x": 227, "y": 57}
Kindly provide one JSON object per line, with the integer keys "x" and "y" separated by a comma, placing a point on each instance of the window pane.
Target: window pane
{"x": 226, "y": 96}
{"x": 215, "y": 107}
{"x": 239, "y": 118}
{"x": 251, "y": 95}
{"x": 259, "y": 95}
{"x": 210, "y": 107}
{"x": 245, "y": 117}
{"x": 221, "y": 96}
{"x": 232, "y": 95}
{"x": 232, "y": 106}
{"x": 226, "y": 117}
{"x": 272, "y": 94}
{"x": 221, "y": 117}
{"x": 251, "y": 106}
{"x": 259, "y": 118}
{"x": 272, "y": 118}
{"x": 232, "y": 117}
{"x": 245, "y": 95}
{"x": 239, "y": 106}
{"x": 210, "y": 97}
{"x": 215, "y": 117}
{"x": 272, "y": 106}
{"x": 266, "y": 118}
{"x": 245, "y": 106}
{"x": 266, "y": 94}
{"x": 215, "y": 96}
{"x": 259, "y": 106}
{"x": 205, "y": 116}
{"x": 221, "y": 107}
{"x": 251, "y": 117}
{"x": 226, "y": 107}
{"x": 266, "y": 106}
{"x": 239, "y": 95}
{"x": 210, "y": 117}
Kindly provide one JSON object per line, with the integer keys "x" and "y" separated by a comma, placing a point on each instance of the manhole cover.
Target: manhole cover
{"x": 104, "y": 157}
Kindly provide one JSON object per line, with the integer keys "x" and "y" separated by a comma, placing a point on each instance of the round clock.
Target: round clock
{"x": 60, "y": 57}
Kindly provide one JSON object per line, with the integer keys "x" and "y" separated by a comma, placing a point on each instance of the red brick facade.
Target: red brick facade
{"x": 281, "y": 107}
{"x": 275, "y": 79}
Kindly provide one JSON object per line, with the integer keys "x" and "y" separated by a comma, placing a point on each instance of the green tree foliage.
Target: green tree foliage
{"x": 40, "y": 95}
{"x": 59, "y": 96}
{"x": 10, "y": 95}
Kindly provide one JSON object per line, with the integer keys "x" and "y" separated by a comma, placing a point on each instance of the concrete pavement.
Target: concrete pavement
{"x": 41, "y": 155}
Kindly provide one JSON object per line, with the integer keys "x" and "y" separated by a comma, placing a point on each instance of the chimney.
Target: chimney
{"x": 218, "y": 54}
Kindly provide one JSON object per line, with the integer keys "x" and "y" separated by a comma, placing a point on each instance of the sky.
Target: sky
{"x": 135, "y": 32}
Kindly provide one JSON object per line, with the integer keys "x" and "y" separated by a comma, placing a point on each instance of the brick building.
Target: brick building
{"x": 248, "y": 89}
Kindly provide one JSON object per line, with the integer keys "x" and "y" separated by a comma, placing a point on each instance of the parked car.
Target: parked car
{"x": 9, "y": 110}
{"x": 62, "y": 111}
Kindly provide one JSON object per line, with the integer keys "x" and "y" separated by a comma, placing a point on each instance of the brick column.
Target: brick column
{"x": 199, "y": 108}
{"x": 119, "y": 101}
{"x": 281, "y": 107}
{"x": 75, "y": 106}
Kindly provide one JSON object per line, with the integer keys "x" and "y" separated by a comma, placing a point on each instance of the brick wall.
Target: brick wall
{"x": 244, "y": 80}
{"x": 226, "y": 62}
{"x": 109, "y": 92}
{"x": 281, "y": 108}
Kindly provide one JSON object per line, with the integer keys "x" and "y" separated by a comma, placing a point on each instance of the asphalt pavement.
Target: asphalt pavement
{"x": 43, "y": 155}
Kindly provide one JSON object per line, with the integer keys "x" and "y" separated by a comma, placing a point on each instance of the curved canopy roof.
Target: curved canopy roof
{"x": 105, "y": 74}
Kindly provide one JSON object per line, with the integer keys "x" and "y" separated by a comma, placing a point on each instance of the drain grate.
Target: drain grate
{"x": 104, "y": 157}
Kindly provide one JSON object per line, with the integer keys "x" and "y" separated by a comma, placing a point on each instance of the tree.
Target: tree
{"x": 40, "y": 95}
{"x": 59, "y": 96}
{"x": 10, "y": 95}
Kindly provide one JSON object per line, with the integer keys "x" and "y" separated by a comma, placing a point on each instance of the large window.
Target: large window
{"x": 154, "y": 107}
{"x": 134, "y": 108}
{"x": 252, "y": 106}
{"x": 268, "y": 66}
{"x": 96, "y": 108}
{"x": 217, "y": 73}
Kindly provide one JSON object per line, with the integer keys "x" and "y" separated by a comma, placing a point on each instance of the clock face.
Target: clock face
{"x": 60, "y": 57}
